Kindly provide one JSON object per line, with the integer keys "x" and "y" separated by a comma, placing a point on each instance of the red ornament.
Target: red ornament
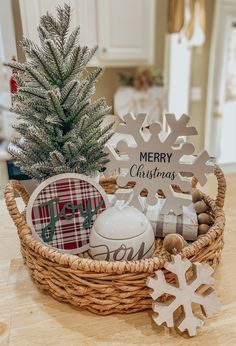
{"x": 13, "y": 83}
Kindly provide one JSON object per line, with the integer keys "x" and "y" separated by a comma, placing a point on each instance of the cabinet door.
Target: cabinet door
{"x": 83, "y": 14}
{"x": 126, "y": 32}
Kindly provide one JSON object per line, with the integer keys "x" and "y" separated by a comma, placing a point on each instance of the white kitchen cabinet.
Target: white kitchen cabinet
{"x": 126, "y": 32}
{"x": 83, "y": 14}
{"x": 123, "y": 29}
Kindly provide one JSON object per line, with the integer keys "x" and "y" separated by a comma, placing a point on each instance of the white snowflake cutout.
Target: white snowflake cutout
{"x": 184, "y": 295}
{"x": 163, "y": 147}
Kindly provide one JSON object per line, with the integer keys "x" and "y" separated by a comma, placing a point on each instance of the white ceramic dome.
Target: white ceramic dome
{"x": 121, "y": 234}
{"x": 125, "y": 223}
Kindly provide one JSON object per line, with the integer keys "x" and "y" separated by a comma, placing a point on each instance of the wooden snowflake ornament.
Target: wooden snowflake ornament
{"x": 157, "y": 161}
{"x": 184, "y": 294}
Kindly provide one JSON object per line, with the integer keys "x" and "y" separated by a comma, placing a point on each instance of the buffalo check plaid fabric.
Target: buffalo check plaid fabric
{"x": 63, "y": 208}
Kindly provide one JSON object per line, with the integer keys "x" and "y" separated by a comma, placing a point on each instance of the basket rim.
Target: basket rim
{"x": 90, "y": 265}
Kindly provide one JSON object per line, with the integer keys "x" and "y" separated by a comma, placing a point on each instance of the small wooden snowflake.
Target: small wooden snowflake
{"x": 184, "y": 295}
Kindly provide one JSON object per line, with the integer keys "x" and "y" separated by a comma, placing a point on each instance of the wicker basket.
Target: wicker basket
{"x": 108, "y": 287}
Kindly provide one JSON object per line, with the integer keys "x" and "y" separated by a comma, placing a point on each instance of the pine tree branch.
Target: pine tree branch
{"x": 56, "y": 57}
{"x": 50, "y": 24}
{"x": 29, "y": 150}
{"x": 16, "y": 65}
{"x": 19, "y": 81}
{"x": 68, "y": 90}
{"x": 75, "y": 118}
{"x": 36, "y": 92}
{"x": 28, "y": 45}
{"x": 104, "y": 133}
{"x": 71, "y": 41}
{"x": 32, "y": 118}
{"x": 105, "y": 138}
{"x": 72, "y": 60}
{"x": 45, "y": 65}
{"x": 72, "y": 153}
{"x": 96, "y": 111}
{"x": 88, "y": 56}
{"x": 63, "y": 16}
{"x": 55, "y": 105}
{"x": 57, "y": 158}
{"x": 40, "y": 79}
{"x": 30, "y": 107}
{"x": 43, "y": 34}
{"x": 86, "y": 90}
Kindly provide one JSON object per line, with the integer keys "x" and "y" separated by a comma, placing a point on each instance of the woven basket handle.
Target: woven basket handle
{"x": 12, "y": 187}
{"x": 220, "y": 198}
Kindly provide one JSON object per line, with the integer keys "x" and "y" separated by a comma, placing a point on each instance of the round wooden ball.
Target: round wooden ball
{"x": 201, "y": 207}
{"x": 174, "y": 243}
{"x": 196, "y": 196}
{"x": 204, "y": 218}
{"x": 203, "y": 229}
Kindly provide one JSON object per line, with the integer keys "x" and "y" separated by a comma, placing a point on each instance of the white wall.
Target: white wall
{"x": 7, "y": 44}
{"x": 7, "y": 29}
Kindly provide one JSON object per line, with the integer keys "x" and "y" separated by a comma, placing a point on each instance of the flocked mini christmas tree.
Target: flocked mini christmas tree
{"x": 60, "y": 126}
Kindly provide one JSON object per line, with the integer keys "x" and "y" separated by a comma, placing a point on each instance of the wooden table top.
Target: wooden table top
{"x": 30, "y": 317}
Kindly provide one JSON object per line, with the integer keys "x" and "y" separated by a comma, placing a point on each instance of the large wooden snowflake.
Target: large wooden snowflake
{"x": 157, "y": 161}
{"x": 183, "y": 295}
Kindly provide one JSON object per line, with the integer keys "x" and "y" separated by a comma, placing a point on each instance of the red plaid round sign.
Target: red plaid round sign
{"x": 62, "y": 210}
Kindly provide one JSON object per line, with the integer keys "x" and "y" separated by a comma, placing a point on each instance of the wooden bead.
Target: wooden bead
{"x": 196, "y": 196}
{"x": 204, "y": 218}
{"x": 174, "y": 243}
{"x": 203, "y": 229}
{"x": 201, "y": 207}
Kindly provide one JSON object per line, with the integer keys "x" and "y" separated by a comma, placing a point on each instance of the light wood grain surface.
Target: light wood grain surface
{"x": 29, "y": 317}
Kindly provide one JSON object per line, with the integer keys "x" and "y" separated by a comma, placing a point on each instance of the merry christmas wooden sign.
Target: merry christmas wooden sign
{"x": 62, "y": 210}
{"x": 157, "y": 161}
